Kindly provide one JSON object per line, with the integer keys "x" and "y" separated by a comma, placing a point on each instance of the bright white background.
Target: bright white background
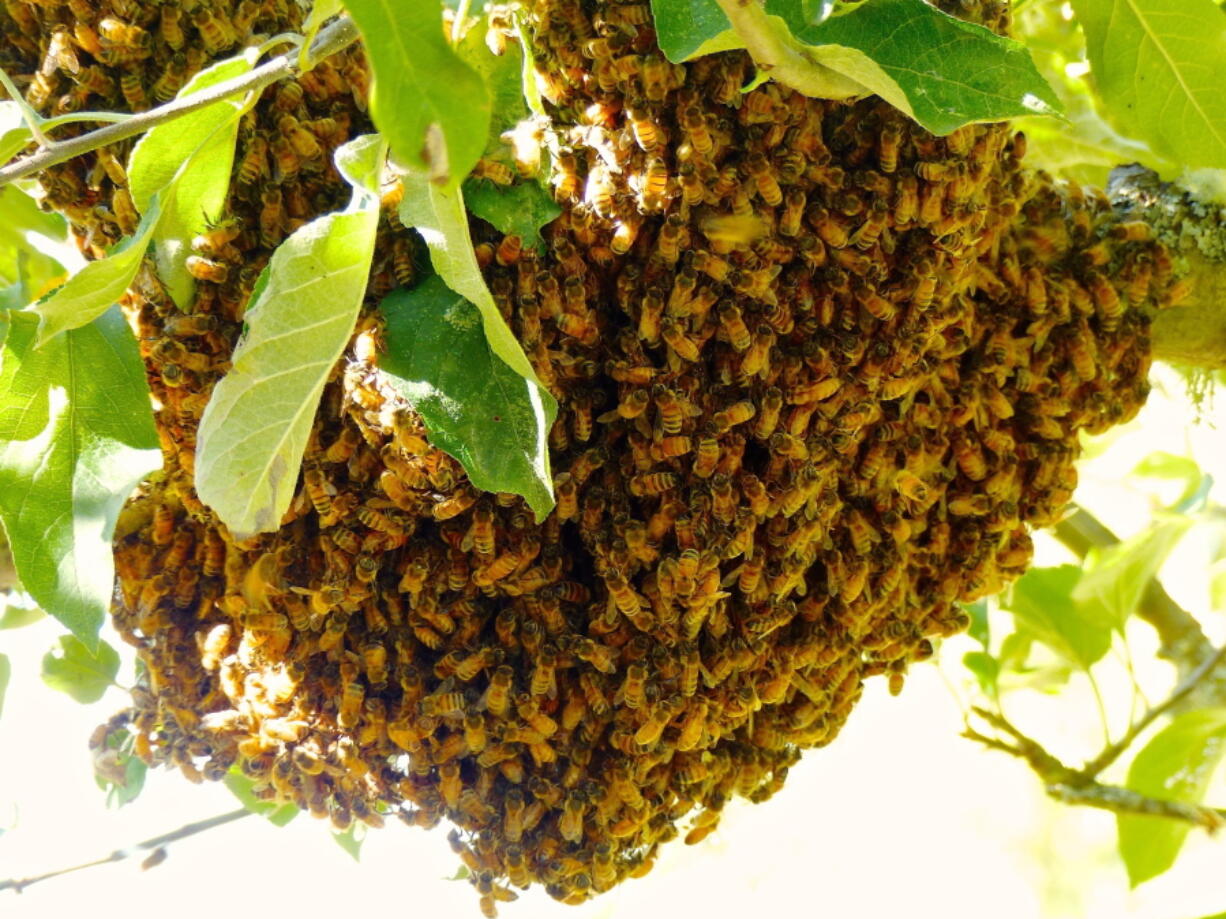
{"x": 900, "y": 817}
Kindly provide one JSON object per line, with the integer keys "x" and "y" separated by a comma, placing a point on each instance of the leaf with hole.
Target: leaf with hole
{"x": 76, "y": 435}
{"x": 254, "y": 430}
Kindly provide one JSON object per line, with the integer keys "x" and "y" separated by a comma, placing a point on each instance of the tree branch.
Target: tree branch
{"x": 336, "y": 37}
{"x": 1193, "y": 333}
{"x": 1183, "y": 641}
{"x": 150, "y": 846}
{"x": 1123, "y": 801}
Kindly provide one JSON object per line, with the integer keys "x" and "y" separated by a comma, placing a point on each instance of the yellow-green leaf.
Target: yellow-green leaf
{"x": 254, "y": 430}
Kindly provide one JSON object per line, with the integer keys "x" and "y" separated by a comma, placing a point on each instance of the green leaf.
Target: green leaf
{"x": 117, "y": 770}
{"x": 14, "y": 134}
{"x": 321, "y": 12}
{"x": 985, "y": 668}
{"x": 941, "y": 71}
{"x": 243, "y": 788}
{"x": 1161, "y": 465}
{"x": 1115, "y": 578}
{"x": 1217, "y": 585}
{"x": 71, "y": 668}
{"x": 24, "y": 232}
{"x": 76, "y": 434}
{"x": 979, "y": 631}
{"x": 475, "y": 407}
{"x": 461, "y": 874}
{"x": 6, "y": 671}
{"x": 1015, "y": 650}
{"x": 1176, "y": 765}
{"x": 1042, "y": 601}
{"x": 432, "y": 107}
{"x": 188, "y": 162}
{"x": 687, "y": 29}
{"x": 439, "y": 215}
{"x": 91, "y": 291}
{"x": 1157, "y": 66}
{"x": 503, "y": 78}
{"x": 17, "y": 617}
{"x": 254, "y": 430}
{"x": 351, "y": 839}
{"x": 520, "y": 209}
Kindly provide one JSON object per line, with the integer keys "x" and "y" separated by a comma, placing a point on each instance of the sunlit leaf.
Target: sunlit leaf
{"x": 1158, "y": 67}
{"x": 520, "y": 209}
{"x": 1162, "y": 465}
{"x": 439, "y": 216}
{"x": 1115, "y": 578}
{"x": 24, "y": 231}
{"x": 76, "y": 434}
{"x": 254, "y": 430}
{"x": 985, "y": 668}
{"x": 1042, "y": 601}
{"x": 461, "y": 874}
{"x": 949, "y": 72}
{"x": 95, "y": 288}
{"x": 1176, "y": 765}
{"x": 978, "y": 630}
{"x": 14, "y": 134}
{"x": 6, "y": 671}
{"x": 938, "y": 69}
{"x": 321, "y": 12}
{"x": 188, "y": 162}
{"x": 432, "y": 107}
{"x": 16, "y": 617}
{"x": 71, "y": 668}
{"x": 351, "y": 839}
{"x": 243, "y": 788}
{"x": 475, "y": 407}
{"x": 1217, "y": 585}
{"x": 503, "y": 77}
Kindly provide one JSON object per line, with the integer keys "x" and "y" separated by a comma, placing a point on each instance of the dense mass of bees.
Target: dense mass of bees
{"x": 819, "y": 371}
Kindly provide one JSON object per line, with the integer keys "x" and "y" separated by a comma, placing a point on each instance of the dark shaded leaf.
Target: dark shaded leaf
{"x": 520, "y": 209}
{"x": 76, "y": 435}
{"x": 475, "y": 407}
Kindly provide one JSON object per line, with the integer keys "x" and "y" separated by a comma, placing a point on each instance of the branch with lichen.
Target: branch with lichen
{"x": 1194, "y": 333}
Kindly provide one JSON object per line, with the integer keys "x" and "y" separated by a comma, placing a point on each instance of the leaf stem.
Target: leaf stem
{"x": 33, "y": 120}
{"x": 783, "y": 60}
{"x": 336, "y": 37}
{"x": 1112, "y": 751}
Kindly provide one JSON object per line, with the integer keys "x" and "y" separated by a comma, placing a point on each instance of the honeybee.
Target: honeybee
{"x": 271, "y": 215}
{"x": 214, "y": 30}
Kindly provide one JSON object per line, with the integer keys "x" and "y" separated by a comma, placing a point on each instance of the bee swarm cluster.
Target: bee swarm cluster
{"x": 818, "y": 371}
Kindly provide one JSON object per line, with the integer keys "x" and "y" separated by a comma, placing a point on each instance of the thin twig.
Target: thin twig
{"x": 1113, "y": 751}
{"x": 31, "y": 117}
{"x": 336, "y": 37}
{"x": 147, "y": 846}
{"x": 1182, "y": 639}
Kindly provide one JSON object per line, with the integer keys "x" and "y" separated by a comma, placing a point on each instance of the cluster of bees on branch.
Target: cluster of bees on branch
{"x": 818, "y": 371}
